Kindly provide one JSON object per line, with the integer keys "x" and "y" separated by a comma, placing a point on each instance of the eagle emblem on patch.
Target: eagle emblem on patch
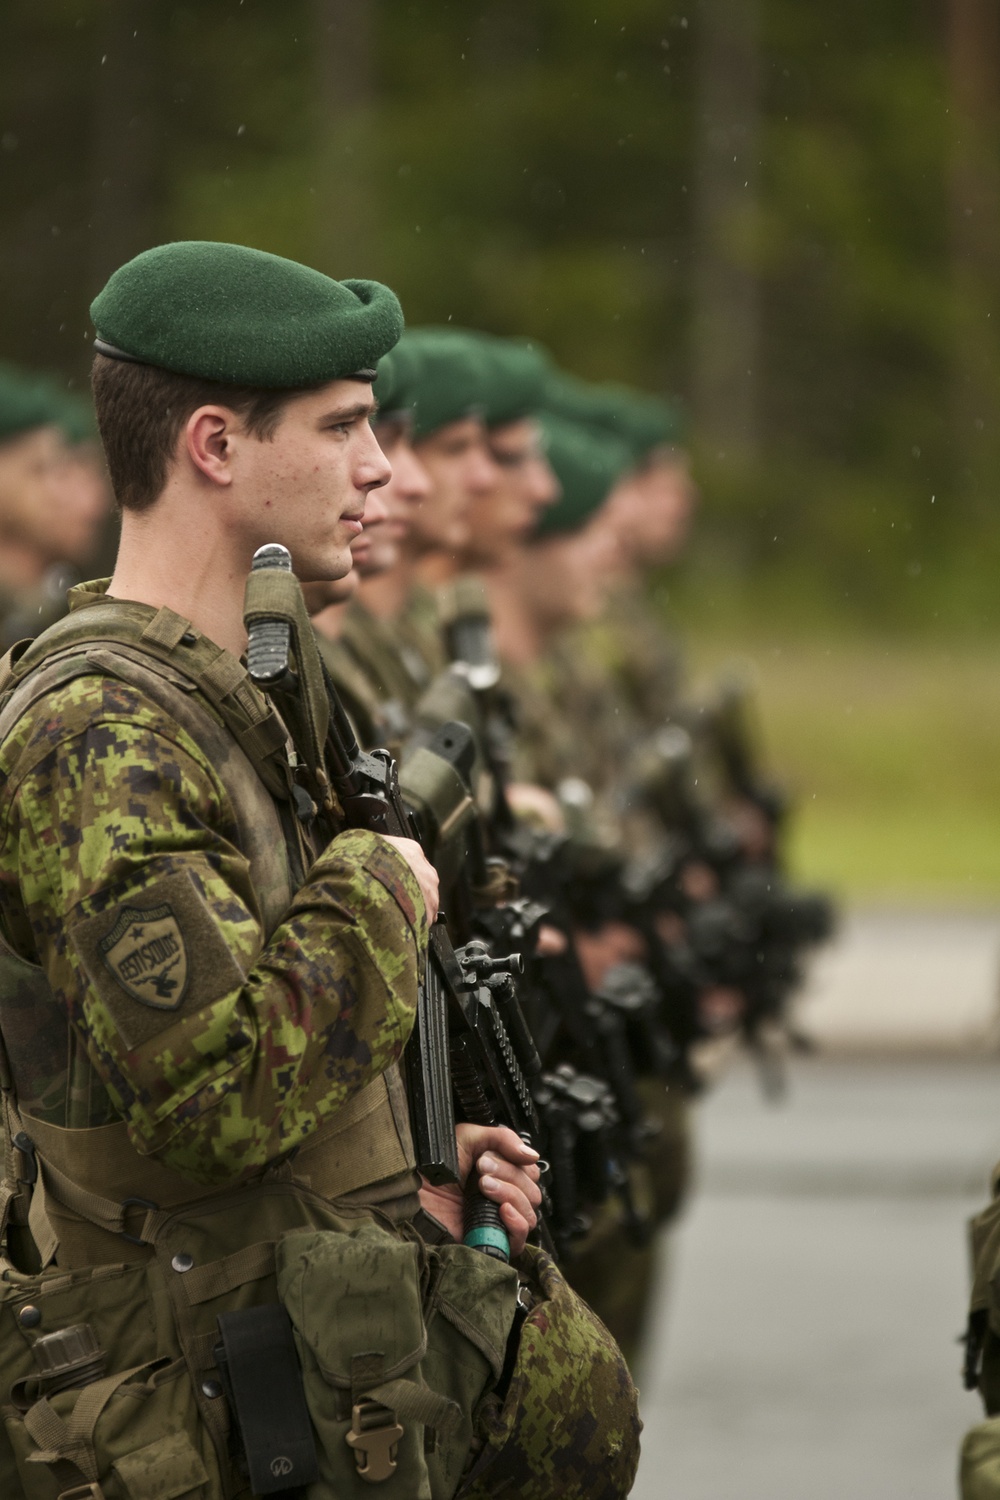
{"x": 145, "y": 952}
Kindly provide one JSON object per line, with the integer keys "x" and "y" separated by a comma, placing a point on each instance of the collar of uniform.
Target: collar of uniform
{"x": 83, "y": 594}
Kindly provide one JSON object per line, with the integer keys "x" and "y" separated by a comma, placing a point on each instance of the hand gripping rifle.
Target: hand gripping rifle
{"x": 470, "y": 1045}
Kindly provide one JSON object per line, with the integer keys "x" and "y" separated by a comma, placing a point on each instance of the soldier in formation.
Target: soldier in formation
{"x": 236, "y": 958}
{"x": 225, "y": 1275}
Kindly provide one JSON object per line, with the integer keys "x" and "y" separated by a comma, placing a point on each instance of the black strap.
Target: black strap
{"x": 263, "y": 1380}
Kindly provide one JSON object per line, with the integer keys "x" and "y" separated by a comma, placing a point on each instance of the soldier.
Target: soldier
{"x": 576, "y": 732}
{"x": 205, "y": 994}
{"x": 979, "y": 1469}
{"x": 377, "y": 720}
{"x": 444, "y": 380}
{"x": 47, "y": 518}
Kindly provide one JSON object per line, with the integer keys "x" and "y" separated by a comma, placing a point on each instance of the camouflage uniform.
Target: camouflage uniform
{"x": 222, "y": 1028}
{"x": 631, "y": 644}
{"x": 399, "y": 658}
{"x": 574, "y": 722}
{"x": 980, "y": 1458}
{"x": 201, "y": 1033}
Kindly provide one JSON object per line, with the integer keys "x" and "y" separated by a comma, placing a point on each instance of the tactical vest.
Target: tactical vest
{"x": 92, "y": 1183}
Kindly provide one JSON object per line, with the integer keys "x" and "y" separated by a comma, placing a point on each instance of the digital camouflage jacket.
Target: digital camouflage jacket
{"x": 220, "y": 1043}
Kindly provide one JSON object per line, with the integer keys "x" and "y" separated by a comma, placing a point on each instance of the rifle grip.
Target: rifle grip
{"x": 483, "y": 1226}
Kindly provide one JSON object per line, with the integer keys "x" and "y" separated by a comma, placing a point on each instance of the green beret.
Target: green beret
{"x": 516, "y": 375}
{"x": 395, "y": 386}
{"x": 243, "y": 317}
{"x": 448, "y": 377}
{"x": 76, "y": 418}
{"x": 642, "y": 421}
{"x": 26, "y": 402}
{"x": 588, "y": 463}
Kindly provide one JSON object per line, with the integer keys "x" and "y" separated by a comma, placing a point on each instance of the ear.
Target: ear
{"x": 208, "y": 442}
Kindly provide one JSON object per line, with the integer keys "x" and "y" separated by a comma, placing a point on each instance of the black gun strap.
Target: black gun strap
{"x": 261, "y": 1370}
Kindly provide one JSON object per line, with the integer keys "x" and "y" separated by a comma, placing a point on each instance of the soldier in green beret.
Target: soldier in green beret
{"x": 394, "y": 625}
{"x": 352, "y": 639}
{"x": 206, "y": 983}
{"x": 49, "y": 509}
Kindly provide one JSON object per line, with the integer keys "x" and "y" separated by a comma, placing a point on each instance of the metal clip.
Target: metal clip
{"x": 375, "y": 1446}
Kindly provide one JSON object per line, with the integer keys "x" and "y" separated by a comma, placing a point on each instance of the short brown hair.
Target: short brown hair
{"x": 141, "y": 410}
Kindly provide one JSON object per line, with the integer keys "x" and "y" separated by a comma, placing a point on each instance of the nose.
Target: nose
{"x": 412, "y": 479}
{"x": 484, "y": 473}
{"x": 543, "y": 485}
{"x": 373, "y": 468}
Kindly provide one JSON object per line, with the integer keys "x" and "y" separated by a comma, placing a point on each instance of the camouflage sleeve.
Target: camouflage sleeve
{"x": 220, "y": 1051}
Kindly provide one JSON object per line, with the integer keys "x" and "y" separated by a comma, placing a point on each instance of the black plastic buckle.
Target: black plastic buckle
{"x": 22, "y": 1142}
{"x": 147, "y": 1203}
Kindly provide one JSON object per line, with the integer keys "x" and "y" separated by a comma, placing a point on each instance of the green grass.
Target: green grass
{"x": 892, "y": 752}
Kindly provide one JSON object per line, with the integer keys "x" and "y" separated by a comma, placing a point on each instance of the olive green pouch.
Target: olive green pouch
{"x": 132, "y": 1431}
{"x": 980, "y": 1462}
{"x": 398, "y": 1343}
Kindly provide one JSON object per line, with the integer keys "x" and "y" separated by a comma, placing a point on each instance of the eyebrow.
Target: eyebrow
{"x": 349, "y": 413}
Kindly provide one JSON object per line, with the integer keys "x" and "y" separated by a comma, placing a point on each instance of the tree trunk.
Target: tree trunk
{"x": 974, "y": 79}
{"x": 726, "y": 322}
{"x": 346, "y": 237}
{"x": 125, "y": 144}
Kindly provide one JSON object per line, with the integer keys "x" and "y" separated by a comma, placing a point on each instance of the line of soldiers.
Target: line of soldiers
{"x": 214, "y": 976}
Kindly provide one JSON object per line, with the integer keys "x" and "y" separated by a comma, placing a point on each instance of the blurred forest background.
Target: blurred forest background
{"x": 786, "y": 214}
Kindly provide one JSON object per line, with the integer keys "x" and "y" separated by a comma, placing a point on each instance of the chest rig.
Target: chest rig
{"x": 75, "y": 1183}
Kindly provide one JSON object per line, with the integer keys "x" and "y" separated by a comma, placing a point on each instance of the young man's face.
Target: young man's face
{"x": 377, "y": 549}
{"x": 652, "y": 509}
{"x": 501, "y": 520}
{"x": 567, "y": 578}
{"x": 461, "y": 470}
{"x": 32, "y": 508}
{"x": 307, "y": 485}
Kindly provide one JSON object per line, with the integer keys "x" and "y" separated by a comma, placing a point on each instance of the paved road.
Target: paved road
{"x": 806, "y": 1348}
{"x": 911, "y": 979}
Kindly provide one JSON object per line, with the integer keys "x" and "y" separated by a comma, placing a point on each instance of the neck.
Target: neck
{"x": 437, "y": 568}
{"x": 176, "y": 554}
{"x": 385, "y": 595}
{"x": 329, "y": 623}
{"x": 517, "y": 631}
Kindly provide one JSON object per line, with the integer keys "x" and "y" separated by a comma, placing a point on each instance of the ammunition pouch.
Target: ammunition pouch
{"x": 398, "y": 1344}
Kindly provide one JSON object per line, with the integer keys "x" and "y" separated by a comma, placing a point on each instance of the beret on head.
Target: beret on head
{"x": 26, "y": 402}
{"x": 516, "y": 374}
{"x": 76, "y": 418}
{"x": 449, "y": 377}
{"x": 642, "y": 421}
{"x": 395, "y": 386}
{"x": 588, "y": 464}
{"x": 243, "y": 317}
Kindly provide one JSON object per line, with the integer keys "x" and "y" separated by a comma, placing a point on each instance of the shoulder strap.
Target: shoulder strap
{"x": 166, "y": 638}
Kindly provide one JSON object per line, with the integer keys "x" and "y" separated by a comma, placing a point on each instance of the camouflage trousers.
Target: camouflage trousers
{"x": 610, "y": 1272}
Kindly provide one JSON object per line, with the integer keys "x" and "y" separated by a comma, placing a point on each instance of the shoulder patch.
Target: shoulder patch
{"x": 145, "y": 952}
{"x": 154, "y": 954}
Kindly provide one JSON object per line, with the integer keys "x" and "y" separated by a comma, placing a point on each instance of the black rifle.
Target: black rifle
{"x": 469, "y": 1041}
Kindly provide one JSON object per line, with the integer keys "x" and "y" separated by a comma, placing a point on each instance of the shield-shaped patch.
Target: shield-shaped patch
{"x": 145, "y": 952}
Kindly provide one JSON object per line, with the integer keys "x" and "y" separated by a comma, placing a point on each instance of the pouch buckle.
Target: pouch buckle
{"x": 375, "y": 1444}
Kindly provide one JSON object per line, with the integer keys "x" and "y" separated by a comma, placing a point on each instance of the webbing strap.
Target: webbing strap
{"x": 252, "y": 1263}
{"x": 73, "y": 1440}
{"x": 274, "y": 594}
{"x": 418, "y": 1403}
{"x": 104, "y": 1213}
